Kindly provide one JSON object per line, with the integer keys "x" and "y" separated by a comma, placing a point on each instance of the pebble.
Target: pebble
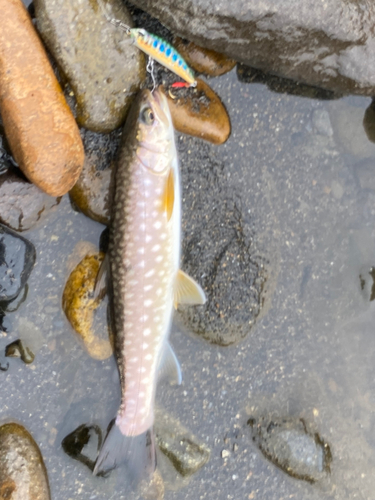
{"x": 91, "y": 194}
{"x": 83, "y": 444}
{"x": 206, "y": 61}
{"x": 184, "y": 451}
{"x": 18, "y": 350}
{"x": 367, "y": 283}
{"x": 22, "y": 204}
{"x": 18, "y": 259}
{"x": 79, "y": 307}
{"x": 103, "y": 68}
{"x": 202, "y": 115}
{"x": 38, "y": 123}
{"x": 290, "y": 445}
{"x": 23, "y": 475}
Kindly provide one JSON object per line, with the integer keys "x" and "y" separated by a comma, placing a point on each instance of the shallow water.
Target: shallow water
{"x": 311, "y": 354}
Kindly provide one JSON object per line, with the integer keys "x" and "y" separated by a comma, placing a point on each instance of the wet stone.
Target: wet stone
{"x": 80, "y": 307}
{"x": 13, "y": 305}
{"x": 183, "y": 450}
{"x": 17, "y": 258}
{"x": 91, "y": 193}
{"x": 199, "y": 112}
{"x": 369, "y": 122}
{"x": 22, "y": 204}
{"x": 367, "y": 283}
{"x": 203, "y": 60}
{"x": 83, "y": 444}
{"x": 23, "y": 475}
{"x": 17, "y": 349}
{"x": 290, "y": 445}
{"x": 327, "y": 44}
{"x": 102, "y": 67}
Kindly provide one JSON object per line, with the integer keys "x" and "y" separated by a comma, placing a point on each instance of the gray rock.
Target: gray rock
{"x": 22, "y": 204}
{"x": 179, "y": 446}
{"x": 17, "y": 258}
{"x": 102, "y": 66}
{"x": 290, "y": 445}
{"x": 91, "y": 193}
{"x": 329, "y": 44}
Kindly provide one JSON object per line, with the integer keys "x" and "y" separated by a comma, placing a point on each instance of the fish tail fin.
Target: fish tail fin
{"x": 138, "y": 452}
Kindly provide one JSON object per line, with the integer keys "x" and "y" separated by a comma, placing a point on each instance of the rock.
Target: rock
{"x": 330, "y": 44}
{"x": 104, "y": 69}
{"x": 202, "y": 60}
{"x": 179, "y": 446}
{"x": 91, "y": 192}
{"x": 218, "y": 250}
{"x": 291, "y": 446}
{"x": 79, "y": 306}
{"x": 367, "y": 283}
{"x": 22, "y": 204}
{"x": 200, "y": 113}
{"x": 83, "y": 444}
{"x": 369, "y": 122}
{"x": 39, "y": 125}
{"x": 23, "y": 474}
{"x": 13, "y": 305}
{"x": 18, "y": 350}
{"x": 17, "y": 259}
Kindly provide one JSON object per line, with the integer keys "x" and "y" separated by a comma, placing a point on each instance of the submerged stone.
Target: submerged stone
{"x": 199, "y": 112}
{"x": 22, "y": 204}
{"x": 103, "y": 68}
{"x": 17, "y": 259}
{"x": 367, "y": 283}
{"x": 80, "y": 305}
{"x": 23, "y": 475}
{"x": 326, "y": 44}
{"x": 17, "y": 349}
{"x": 83, "y": 444}
{"x": 185, "y": 452}
{"x": 208, "y": 62}
{"x": 290, "y": 445}
{"x": 91, "y": 193}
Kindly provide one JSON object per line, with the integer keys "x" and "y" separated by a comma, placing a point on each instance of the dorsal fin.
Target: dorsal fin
{"x": 187, "y": 291}
{"x": 168, "y": 196}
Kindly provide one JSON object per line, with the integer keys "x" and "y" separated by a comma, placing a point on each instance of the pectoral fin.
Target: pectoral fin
{"x": 168, "y": 197}
{"x": 169, "y": 366}
{"x": 187, "y": 291}
{"x": 101, "y": 279}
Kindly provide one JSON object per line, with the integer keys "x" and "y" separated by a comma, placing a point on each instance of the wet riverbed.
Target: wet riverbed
{"x": 305, "y": 169}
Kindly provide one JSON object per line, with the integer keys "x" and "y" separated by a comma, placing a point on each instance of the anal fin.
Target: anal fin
{"x": 187, "y": 291}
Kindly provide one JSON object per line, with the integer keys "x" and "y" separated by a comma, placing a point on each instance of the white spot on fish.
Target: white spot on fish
{"x": 155, "y": 248}
{"x": 148, "y": 238}
{"x": 146, "y": 380}
{"x": 147, "y": 302}
{"x": 141, "y": 250}
{"x": 133, "y": 360}
{"x": 146, "y": 332}
{"x": 163, "y": 236}
{"x": 141, "y": 263}
{"x": 159, "y": 258}
{"x": 142, "y": 226}
{"x": 161, "y": 273}
{"x": 157, "y": 224}
{"x": 150, "y": 273}
{"x": 148, "y": 357}
{"x": 159, "y": 291}
{"x": 144, "y": 345}
{"x": 144, "y": 318}
{"x": 147, "y": 288}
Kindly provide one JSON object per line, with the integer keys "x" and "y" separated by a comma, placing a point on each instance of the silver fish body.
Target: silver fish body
{"x": 144, "y": 258}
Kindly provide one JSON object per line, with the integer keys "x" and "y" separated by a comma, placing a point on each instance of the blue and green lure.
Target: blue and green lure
{"x": 157, "y": 49}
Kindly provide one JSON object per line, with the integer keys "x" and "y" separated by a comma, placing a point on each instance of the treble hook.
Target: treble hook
{"x": 150, "y": 69}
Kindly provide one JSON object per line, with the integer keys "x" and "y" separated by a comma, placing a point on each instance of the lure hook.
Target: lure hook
{"x": 150, "y": 70}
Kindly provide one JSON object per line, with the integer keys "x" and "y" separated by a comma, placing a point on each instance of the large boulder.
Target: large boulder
{"x": 330, "y": 43}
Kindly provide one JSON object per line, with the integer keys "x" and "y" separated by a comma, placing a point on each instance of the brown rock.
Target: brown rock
{"x": 39, "y": 125}
{"x": 203, "y": 60}
{"x": 79, "y": 305}
{"x": 22, "y": 204}
{"x": 200, "y": 113}
{"x": 23, "y": 475}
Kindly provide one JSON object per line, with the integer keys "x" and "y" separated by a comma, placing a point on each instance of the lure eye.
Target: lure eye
{"x": 147, "y": 116}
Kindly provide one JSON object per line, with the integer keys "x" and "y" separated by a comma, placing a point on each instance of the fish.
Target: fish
{"x": 145, "y": 281}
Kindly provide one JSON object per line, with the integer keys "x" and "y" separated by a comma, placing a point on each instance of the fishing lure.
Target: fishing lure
{"x": 157, "y": 49}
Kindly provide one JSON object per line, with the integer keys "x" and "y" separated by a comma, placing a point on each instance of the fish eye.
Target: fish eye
{"x": 147, "y": 116}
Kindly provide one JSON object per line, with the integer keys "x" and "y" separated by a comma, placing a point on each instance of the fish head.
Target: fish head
{"x": 154, "y": 132}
